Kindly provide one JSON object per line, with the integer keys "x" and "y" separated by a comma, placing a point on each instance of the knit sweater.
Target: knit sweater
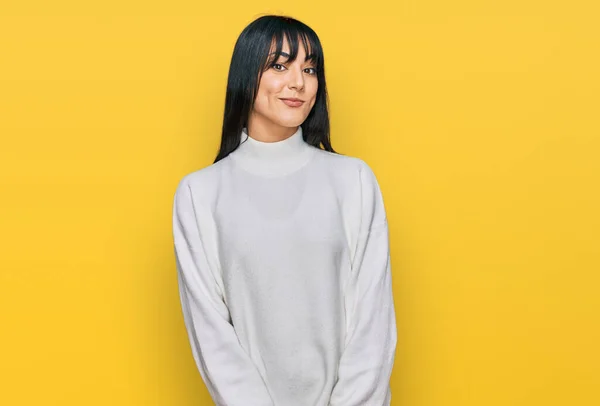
{"x": 283, "y": 267}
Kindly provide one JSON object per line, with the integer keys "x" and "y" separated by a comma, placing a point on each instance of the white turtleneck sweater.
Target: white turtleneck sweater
{"x": 283, "y": 266}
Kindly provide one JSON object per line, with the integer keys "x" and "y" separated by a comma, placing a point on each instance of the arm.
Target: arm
{"x": 367, "y": 360}
{"x": 228, "y": 372}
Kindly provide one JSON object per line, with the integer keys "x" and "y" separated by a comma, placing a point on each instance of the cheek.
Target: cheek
{"x": 313, "y": 92}
{"x": 263, "y": 100}
{"x": 270, "y": 86}
{"x": 268, "y": 93}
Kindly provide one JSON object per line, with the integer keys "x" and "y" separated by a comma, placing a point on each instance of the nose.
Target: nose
{"x": 296, "y": 79}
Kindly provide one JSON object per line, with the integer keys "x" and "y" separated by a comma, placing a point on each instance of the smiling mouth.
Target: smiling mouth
{"x": 292, "y": 102}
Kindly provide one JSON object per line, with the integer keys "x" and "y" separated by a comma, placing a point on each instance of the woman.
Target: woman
{"x": 282, "y": 247}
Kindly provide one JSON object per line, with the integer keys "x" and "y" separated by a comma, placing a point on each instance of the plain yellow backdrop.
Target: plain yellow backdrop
{"x": 479, "y": 118}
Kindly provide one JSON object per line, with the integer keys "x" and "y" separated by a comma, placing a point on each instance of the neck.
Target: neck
{"x": 268, "y": 131}
{"x": 275, "y": 158}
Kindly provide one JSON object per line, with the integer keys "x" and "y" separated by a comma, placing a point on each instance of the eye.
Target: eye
{"x": 314, "y": 71}
{"x": 277, "y": 64}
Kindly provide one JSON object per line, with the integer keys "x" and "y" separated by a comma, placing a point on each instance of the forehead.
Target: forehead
{"x": 285, "y": 48}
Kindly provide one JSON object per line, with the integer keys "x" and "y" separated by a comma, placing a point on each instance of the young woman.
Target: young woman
{"x": 282, "y": 247}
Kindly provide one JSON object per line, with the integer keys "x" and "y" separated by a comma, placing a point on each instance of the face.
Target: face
{"x": 283, "y": 80}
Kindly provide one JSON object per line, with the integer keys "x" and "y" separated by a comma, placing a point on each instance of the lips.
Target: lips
{"x": 293, "y": 102}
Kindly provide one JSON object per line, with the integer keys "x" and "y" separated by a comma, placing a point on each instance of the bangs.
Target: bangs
{"x": 312, "y": 48}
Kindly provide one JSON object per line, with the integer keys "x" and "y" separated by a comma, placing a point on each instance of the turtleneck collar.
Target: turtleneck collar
{"x": 272, "y": 158}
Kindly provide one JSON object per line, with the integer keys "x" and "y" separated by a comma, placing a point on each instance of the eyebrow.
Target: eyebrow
{"x": 309, "y": 56}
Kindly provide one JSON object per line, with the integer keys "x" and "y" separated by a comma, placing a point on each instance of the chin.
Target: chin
{"x": 291, "y": 121}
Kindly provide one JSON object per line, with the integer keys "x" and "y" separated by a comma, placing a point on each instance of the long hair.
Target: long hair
{"x": 251, "y": 58}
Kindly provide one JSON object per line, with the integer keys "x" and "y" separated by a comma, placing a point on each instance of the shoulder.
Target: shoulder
{"x": 362, "y": 193}
{"x": 340, "y": 163}
{"x": 350, "y": 168}
{"x": 202, "y": 183}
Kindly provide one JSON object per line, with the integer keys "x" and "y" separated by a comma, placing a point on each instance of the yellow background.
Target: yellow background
{"x": 480, "y": 119}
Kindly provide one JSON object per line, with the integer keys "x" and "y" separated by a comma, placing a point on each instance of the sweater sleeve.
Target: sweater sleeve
{"x": 366, "y": 363}
{"x": 229, "y": 374}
